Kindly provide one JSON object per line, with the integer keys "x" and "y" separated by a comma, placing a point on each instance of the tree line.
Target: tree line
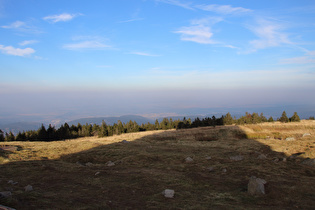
{"x": 75, "y": 131}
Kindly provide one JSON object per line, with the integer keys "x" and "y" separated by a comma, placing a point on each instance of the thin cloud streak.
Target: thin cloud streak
{"x": 144, "y": 54}
{"x": 64, "y": 17}
{"x": 177, "y": 3}
{"x": 86, "y": 45}
{"x": 16, "y": 51}
{"x": 223, "y": 9}
{"x": 28, "y": 42}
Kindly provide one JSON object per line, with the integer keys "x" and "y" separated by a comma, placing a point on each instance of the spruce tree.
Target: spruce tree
{"x": 284, "y": 117}
{"x": 1, "y": 135}
{"x": 295, "y": 118}
{"x": 227, "y": 119}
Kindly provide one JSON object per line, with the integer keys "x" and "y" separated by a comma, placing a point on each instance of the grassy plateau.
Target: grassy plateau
{"x": 76, "y": 174}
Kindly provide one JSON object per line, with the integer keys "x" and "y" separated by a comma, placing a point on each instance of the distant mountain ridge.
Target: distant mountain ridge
{"x": 111, "y": 120}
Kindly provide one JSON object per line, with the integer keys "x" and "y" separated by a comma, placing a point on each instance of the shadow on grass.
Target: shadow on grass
{"x": 147, "y": 165}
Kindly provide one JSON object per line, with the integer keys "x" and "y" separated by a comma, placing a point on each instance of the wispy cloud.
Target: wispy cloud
{"x": 64, "y": 17}
{"x": 14, "y": 25}
{"x": 16, "y": 51}
{"x": 144, "y": 54}
{"x": 270, "y": 34}
{"x": 223, "y": 9}
{"x": 131, "y": 20}
{"x": 308, "y": 58}
{"x": 92, "y": 44}
{"x": 28, "y": 42}
{"x": 199, "y": 31}
{"x": 186, "y": 5}
{"x": 86, "y": 43}
{"x": 21, "y": 26}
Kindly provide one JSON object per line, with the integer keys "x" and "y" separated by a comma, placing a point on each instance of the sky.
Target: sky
{"x": 108, "y": 58}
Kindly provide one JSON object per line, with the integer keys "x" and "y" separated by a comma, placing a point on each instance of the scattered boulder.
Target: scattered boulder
{"x": 256, "y": 186}
{"x": 189, "y": 160}
{"x": 28, "y": 188}
{"x": 5, "y": 194}
{"x": 168, "y": 193}
{"x": 224, "y": 170}
{"x": 309, "y": 162}
{"x": 12, "y": 182}
{"x": 262, "y": 157}
{"x": 237, "y": 158}
{"x": 210, "y": 169}
{"x": 89, "y": 164}
{"x": 97, "y": 173}
{"x": 79, "y": 163}
{"x": 208, "y": 158}
{"x": 125, "y": 141}
{"x": 110, "y": 163}
{"x": 306, "y": 134}
{"x": 290, "y": 139}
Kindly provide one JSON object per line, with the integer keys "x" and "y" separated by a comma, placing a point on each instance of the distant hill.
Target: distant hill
{"x": 17, "y": 127}
{"x": 111, "y": 120}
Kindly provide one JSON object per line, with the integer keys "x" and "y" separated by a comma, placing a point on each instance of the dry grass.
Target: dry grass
{"x": 153, "y": 161}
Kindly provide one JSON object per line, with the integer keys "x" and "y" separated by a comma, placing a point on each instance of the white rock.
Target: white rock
{"x": 97, "y": 173}
{"x": 189, "y": 160}
{"x": 110, "y": 163}
{"x": 12, "y": 182}
{"x": 237, "y": 158}
{"x": 306, "y": 134}
{"x": 168, "y": 193}
{"x": 256, "y": 186}
{"x": 28, "y": 188}
{"x": 208, "y": 158}
{"x": 290, "y": 139}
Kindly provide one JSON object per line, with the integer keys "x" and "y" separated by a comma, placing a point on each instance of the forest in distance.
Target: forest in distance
{"x": 75, "y": 131}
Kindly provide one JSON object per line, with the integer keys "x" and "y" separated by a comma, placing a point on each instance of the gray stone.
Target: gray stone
{"x": 12, "y": 182}
{"x": 256, "y": 186}
{"x": 89, "y": 164}
{"x": 224, "y": 170}
{"x": 309, "y": 162}
{"x": 28, "y": 188}
{"x": 208, "y": 158}
{"x": 262, "y": 157}
{"x": 168, "y": 193}
{"x": 5, "y": 194}
{"x": 210, "y": 169}
{"x": 124, "y": 141}
{"x": 290, "y": 139}
{"x": 237, "y": 158}
{"x": 97, "y": 173}
{"x": 110, "y": 163}
{"x": 189, "y": 160}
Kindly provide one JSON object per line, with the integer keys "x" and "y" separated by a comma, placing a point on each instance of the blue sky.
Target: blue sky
{"x": 127, "y": 56}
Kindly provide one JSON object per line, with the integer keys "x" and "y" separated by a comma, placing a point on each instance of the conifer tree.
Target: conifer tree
{"x": 270, "y": 119}
{"x": 1, "y": 135}
{"x": 284, "y": 117}
{"x": 295, "y": 118}
{"x": 227, "y": 119}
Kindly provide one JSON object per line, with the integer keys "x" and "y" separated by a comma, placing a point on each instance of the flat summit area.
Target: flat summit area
{"x": 203, "y": 168}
